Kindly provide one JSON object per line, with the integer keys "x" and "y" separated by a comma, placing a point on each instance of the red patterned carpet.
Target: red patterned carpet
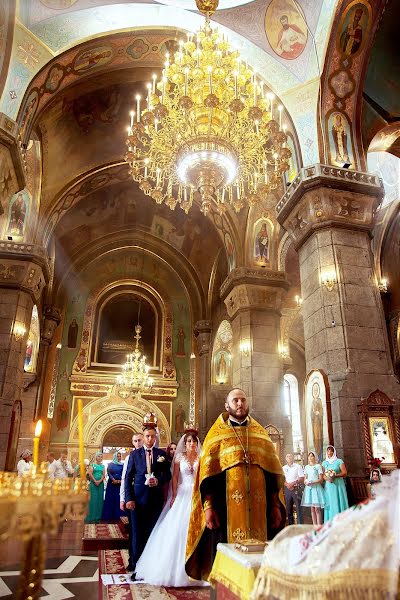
{"x": 116, "y": 561}
{"x": 103, "y": 536}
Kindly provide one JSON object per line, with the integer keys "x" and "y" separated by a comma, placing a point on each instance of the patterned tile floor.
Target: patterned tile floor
{"x": 70, "y": 572}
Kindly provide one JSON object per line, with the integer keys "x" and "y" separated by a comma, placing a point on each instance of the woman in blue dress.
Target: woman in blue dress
{"x": 313, "y": 495}
{"x": 111, "y": 509}
{"x": 335, "y": 489}
{"x": 97, "y": 475}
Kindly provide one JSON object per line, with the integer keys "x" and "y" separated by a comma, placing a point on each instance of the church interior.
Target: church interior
{"x": 286, "y": 287}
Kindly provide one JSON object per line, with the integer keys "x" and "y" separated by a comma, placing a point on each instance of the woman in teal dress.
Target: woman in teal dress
{"x": 335, "y": 489}
{"x": 313, "y": 495}
{"x": 97, "y": 475}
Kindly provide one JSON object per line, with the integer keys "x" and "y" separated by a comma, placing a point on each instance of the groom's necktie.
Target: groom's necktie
{"x": 148, "y": 460}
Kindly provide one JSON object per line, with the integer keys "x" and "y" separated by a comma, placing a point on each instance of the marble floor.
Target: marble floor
{"x": 72, "y": 572}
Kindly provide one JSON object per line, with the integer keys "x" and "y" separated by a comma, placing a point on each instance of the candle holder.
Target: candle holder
{"x": 31, "y": 507}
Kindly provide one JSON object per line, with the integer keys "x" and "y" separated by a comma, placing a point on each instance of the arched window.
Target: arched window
{"x": 221, "y": 371}
{"x": 32, "y": 344}
{"x": 292, "y": 409}
{"x": 387, "y": 166}
{"x": 117, "y": 314}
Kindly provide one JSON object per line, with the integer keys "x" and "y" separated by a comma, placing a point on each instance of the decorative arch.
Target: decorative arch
{"x": 343, "y": 77}
{"x": 82, "y": 361}
{"x": 103, "y": 414}
{"x": 221, "y": 362}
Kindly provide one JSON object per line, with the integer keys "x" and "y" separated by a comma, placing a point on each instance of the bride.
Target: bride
{"x": 163, "y": 559}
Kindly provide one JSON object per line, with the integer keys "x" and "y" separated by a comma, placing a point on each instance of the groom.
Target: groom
{"x": 147, "y": 472}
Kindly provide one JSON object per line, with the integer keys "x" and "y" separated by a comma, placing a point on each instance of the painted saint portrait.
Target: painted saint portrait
{"x": 28, "y": 356}
{"x": 261, "y": 243}
{"x": 340, "y": 139}
{"x": 286, "y": 28}
{"x": 353, "y": 30}
{"x": 18, "y": 212}
{"x": 318, "y": 419}
{"x": 62, "y": 414}
{"x": 382, "y": 446}
{"x": 222, "y": 367}
{"x": 72, "y": 334}
{"x": 180, "y": 350}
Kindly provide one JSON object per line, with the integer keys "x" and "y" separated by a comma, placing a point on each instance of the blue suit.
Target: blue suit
{"x": 148, "y": 500}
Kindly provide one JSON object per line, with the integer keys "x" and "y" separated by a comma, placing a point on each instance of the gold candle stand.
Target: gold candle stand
{"x": 31, "y": 507}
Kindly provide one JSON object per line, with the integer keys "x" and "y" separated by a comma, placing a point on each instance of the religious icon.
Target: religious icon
{"x": 286, "y": 29}
{"x": 261, "y": 244}
{"x": 317, "y": 417}
{"x": 72, "y": 334}
{"x": 353, "y": 29}
{"x": 181, "y": 342}
{"x": 95, "y": 57}
{"x": 18, "y": 213}
{"x": 317, "y": 413}
{"x": 382, "y": 446}
{"x": 28, "y": 356}
{"x": 222, "y": 366}
{"x": 340, "y": 139}
{"x": 62, "y": 414}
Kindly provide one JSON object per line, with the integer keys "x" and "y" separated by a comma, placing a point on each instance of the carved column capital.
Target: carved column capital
{"x": 25, "y": 267}
{"x": 324, "y": 196}
{"x": 202, "y": 332}
{"x": 52, "y": 318}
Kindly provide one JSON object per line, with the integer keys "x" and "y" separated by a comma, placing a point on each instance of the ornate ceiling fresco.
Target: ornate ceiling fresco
{"x": 47, "y": 27}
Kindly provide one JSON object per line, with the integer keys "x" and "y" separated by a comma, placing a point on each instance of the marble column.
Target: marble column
{"x": 253, "y": 299}
{"x": 329, "y": 214}
{"x": 23, "y": 274}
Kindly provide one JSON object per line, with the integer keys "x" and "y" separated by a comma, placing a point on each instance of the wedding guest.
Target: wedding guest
{"x": 294, "y": 476}
{"x": 170, "y": 450}
{"x": 61, "y": 468}
{"x": 50, "y": 458}
{"x": 25, "y": 463}
{"x": 137, "y": 442}
{"x": 313, "y": 495}
{"x": 97, "y": 474}
{"x": 111, "y": 509}
{"x": 335, "y": 489}
{"x": 168, "y": 538}
{"x": 374, "y": 477}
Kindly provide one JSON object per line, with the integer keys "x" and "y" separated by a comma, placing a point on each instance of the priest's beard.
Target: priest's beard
{"x": 240, "y": 414}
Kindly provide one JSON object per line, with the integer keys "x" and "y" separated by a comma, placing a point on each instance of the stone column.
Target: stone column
{"x": 253, "y": 299}
{"x": 329, "y": 214}
{"x": 23, "y": 274}
{"x": 202, "y": 332}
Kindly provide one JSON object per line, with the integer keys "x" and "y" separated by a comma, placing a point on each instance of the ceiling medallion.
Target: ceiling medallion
{"x": 207, "y": 127}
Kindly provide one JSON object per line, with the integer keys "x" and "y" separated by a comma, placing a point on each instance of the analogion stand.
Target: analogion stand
{"x": 233, "y": 573}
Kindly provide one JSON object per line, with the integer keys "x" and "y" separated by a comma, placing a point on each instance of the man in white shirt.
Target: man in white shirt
{"x": 137, "y": 442}
{"x": 61, "y": 468}
{"x": 294, "y": 476}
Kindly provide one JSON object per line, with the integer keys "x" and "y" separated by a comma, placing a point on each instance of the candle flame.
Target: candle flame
{"x": 38, "y": 428}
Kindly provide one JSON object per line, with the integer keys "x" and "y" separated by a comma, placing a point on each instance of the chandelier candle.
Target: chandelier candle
{"x": 208, "y": 128}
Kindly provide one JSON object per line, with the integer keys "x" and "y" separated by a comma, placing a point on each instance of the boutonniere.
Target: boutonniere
{"x": 161, "y": 459}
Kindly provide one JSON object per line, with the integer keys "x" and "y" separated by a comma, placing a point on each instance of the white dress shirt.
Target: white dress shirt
{"x": 23, "y": 466}
{"x": 122, "y": 486}
{"x": 293, "y": 473}
{"x": 60, "y": 470}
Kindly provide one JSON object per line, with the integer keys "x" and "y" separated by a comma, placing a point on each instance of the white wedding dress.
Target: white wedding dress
{"x": 163, "y": 559}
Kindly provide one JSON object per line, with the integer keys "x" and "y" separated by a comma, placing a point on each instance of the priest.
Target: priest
{"x": 238, "y": 489}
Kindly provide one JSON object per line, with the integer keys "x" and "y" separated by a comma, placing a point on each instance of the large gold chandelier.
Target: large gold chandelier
{"x": 135, "y": 372}
{"x": 207, "y": 127}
